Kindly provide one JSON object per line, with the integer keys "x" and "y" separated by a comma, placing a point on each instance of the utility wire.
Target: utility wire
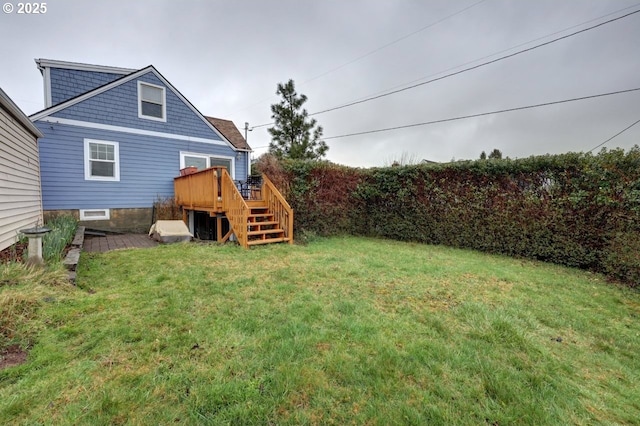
{"x": 465, "y": 69}
{"x": 406, "y": 36}
{"x": 393, "y": 42}
{"x": 614, "y": 136}
{"x": 463, "y": 117}
{"x": 503, "y": 50}
{"x": 262, "y": 125}
{"x": 475, "y": 66}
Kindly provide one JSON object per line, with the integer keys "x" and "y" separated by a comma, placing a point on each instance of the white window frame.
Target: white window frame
{"x": 105, "y": 216}
{"x": 164, "y": 102}
{"x": 207, "y": 157}
{"x": 87, "y": 161}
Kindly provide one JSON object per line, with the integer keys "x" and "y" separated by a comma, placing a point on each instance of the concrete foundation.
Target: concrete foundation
{"x": 137, "y": 220}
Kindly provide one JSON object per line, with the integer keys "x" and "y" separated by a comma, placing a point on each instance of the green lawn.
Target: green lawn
{"x": 341, "y": 331}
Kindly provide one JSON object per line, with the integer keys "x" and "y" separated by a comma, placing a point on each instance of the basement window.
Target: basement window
{"x": 152, "y": 103}
{"x": 94, "y": 214}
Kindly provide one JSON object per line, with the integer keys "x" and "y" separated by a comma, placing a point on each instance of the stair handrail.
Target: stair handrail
{"x": 235, "y": 207}
{"x": 278, "y": 205}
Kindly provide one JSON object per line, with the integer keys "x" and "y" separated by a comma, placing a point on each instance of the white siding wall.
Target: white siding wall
{"x": 20, "y": 194}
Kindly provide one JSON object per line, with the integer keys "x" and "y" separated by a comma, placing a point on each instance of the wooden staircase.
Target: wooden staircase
{"x": 253, "y": 222}
{"x": 262, "y": 228}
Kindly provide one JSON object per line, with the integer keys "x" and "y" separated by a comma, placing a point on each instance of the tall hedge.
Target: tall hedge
{"x": 573, "y": 209}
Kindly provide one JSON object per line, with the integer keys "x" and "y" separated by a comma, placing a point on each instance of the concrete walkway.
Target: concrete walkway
{"x": 115, "y": 242}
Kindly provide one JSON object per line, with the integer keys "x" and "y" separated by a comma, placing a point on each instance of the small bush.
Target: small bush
{"x": 272, "y": 167}
{"x": 166, "y": 209}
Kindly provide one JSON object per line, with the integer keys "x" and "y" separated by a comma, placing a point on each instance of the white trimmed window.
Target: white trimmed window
{"x": 101, "y": 160}
{"x": 94, "y": 214}
{"x": 203, "y": 161}
{"x": 152, "y": 103}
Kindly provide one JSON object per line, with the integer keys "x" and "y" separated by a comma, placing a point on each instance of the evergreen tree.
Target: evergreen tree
{"x": 496, "y": 153}
{"x": 294, "y": 135}
{"x": 483, "y": 155}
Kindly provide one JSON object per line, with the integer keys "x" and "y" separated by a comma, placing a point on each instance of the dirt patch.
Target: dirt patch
{"x": 323, "y": 347}
{"x": 13, "y": 253}
{"x": 12, "y": 356}
{"x": 18, "y": 253}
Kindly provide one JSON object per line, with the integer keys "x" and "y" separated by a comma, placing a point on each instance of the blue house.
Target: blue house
{"x": 115, "y": 139}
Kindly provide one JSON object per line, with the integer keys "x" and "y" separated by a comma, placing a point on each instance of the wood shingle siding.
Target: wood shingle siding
{"x": 20, "y": 194}
{"x": 66, "y": 84}
{"x": 119, "y": 107}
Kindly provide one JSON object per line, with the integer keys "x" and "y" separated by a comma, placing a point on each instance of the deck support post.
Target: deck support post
{"x": 219, "y": 228}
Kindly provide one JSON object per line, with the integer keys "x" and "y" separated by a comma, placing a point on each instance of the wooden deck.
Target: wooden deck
{"x": 200, "y": 191}
{"x": 266, "y": 220}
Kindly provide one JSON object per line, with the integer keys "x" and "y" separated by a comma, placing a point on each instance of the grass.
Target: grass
{"x": 24, "y": 290}
{"x": 341, "y": 331}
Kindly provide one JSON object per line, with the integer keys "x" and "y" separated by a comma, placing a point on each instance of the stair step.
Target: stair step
{"x": 267, "y": 241}
{"x": 265, "y": 231}
{"x": 257, "y": 215}
{"x": 256, "y": 204}
{"x": 263, "y": 223}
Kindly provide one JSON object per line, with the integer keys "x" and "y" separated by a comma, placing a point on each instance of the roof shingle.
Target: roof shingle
{"x": 229, "y": 131}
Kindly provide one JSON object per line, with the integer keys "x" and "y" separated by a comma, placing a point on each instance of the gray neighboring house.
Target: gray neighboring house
{"x": 20, "y": 193}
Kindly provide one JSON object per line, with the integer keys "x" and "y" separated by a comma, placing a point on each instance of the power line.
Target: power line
{"x": 262, "y": 125}
{"x": 475, "y": 66}
{"x": 614, "y": 136}
{"x": 394, "y": 42}
{"x": 406, "y": 36}
{"x": 463, "y": 117}
{"x": 504, "y": 50}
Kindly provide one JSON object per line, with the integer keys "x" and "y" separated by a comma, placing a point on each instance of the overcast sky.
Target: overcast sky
{"x": 227, "y": 57}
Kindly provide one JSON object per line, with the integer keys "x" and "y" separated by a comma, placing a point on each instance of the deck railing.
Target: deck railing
{"x": 235, "y": 207}
{"x": 200, "y": 190}
{"x": 213, "y": 190}
{"x": 282, "y": 212}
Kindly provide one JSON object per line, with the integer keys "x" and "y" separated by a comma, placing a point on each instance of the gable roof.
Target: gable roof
{"x": 125, "y": 78}
{"x": 230, "y": 131}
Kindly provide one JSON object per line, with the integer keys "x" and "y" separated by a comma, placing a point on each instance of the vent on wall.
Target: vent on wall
{"x": 94, "y": 214}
